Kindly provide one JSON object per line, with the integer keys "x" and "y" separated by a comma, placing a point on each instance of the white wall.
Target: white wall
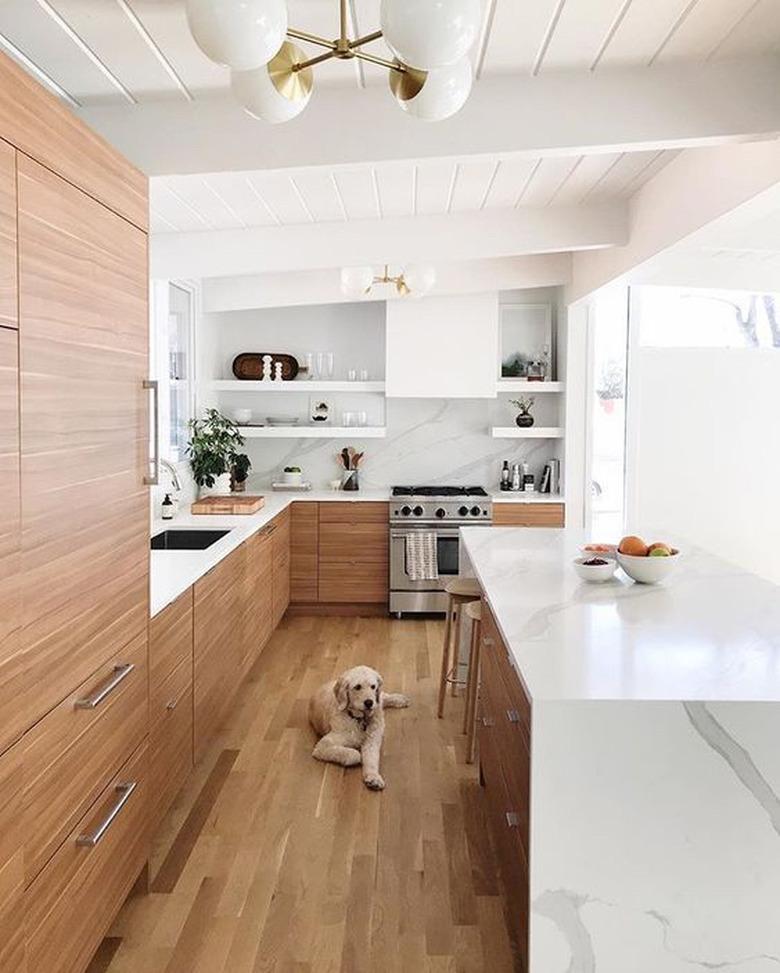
{"x": 708, "y": 450}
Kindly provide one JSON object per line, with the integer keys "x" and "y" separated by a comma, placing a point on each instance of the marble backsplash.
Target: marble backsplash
{"x": 428, "y": 441}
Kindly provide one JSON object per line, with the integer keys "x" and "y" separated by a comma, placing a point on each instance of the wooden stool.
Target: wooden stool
{"x": 474, "y": 612}
{"x": 460, "y": 591}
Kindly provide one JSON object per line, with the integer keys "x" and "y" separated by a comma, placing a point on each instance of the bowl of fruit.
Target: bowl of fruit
{"x": 647, "y": 563}
{"x": 595, "y": 567}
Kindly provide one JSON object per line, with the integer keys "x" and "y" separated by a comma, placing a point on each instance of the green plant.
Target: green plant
{"x": 523, "y": 405}
{"x": 292, "y": 469}
{"x": 242, "y": 464}
{"x": 213, "y": 447}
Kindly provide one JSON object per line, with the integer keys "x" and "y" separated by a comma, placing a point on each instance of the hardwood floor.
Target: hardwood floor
{"x": 270, "y": 861}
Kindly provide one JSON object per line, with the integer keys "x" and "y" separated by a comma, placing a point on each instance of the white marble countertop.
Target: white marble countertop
{"x": 511, "y": 496}
{"x": 172, "y": 572}
{"x": 710, "y": 632}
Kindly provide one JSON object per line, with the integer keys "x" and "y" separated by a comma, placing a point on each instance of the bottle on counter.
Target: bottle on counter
{"x": 506, "y": 477}
{"x": 517, "y": 477}
{"x": 167, "y": 508}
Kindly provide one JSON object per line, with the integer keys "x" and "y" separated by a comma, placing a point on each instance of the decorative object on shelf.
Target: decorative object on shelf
{"x": 214, "y": 444}
{"x": 429, "y": 70}
{"x": 320, "y": 410}
{"x": 278, "y": 371}
{"x": 515, "y": 365}
{"x": 415, "y": 280}
{"x": 350, "y": 461}
{"x": 239, "y": 472}
{"x": 526, "y": 338}
{"x": 242, "y": 416}
{"x": 523, "y": 419}
{"x": 268, "y": 369}
{"x": 248, "y": 366}
{"x": 292, "y": 475}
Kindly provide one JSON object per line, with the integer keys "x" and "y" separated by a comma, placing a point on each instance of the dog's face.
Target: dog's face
{"x": 357, "y": 690}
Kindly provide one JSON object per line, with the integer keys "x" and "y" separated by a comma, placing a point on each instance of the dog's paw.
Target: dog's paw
{"x": 403, "y": 701}
{"x": 374, "y": 782}
{"x": 352, "y": 758}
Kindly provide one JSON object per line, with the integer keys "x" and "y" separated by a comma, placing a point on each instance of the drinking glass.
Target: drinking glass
{"x": 320, "y": 364}
{"x": 362, "y": 418}
{"x": 329, "y": 362}
{"x": 352, "y": 374}
{"x": 363, "y": 374}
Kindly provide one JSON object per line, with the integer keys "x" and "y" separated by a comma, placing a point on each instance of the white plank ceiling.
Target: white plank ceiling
{"x": 92, "y": 51}
{"x": 232, "y": 200}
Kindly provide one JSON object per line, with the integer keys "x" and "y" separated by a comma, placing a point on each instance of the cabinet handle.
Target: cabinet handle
{"x": 488, "y": 721}
{"x": 92, "y": 838}
{"x": 96, "y": 698}
{"x": 488, "y": 642}
{"x": 270, "y": 530}
{"x": 513, "y": 716}
{"x": 512, "y": 819}
{"x": 154, "y": 386}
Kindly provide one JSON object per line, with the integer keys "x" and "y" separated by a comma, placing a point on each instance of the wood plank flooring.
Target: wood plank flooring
{"x": 273, "y": 863}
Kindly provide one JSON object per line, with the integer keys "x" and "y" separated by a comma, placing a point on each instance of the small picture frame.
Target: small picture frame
{"x": 320, "y": 410}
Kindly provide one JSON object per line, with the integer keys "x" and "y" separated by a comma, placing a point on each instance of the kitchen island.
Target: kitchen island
{"x": 652, "y": 830}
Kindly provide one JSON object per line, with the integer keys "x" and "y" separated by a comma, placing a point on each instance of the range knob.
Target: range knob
{"x": 441, "y": 512}
{"x": 463, "y": 511}
{"x": 405, "y": 511}
{"x": 475, "y": 511}
{"x": 418, "y": 511}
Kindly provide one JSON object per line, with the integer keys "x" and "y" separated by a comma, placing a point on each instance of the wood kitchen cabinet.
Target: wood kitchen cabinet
{"x": 13, "y": 716}
{"x": 170, "y": 703}
{"x": 504, "y": 735}
{"x": 259, "y": 594}
{"x": 529, "y": 514}
{"x": 8, "y": 316}
{"x": 280, "y": 539}
{"x": 219, "y": 644}
{"x": 304, "y": 552}
{"x": 353, "y": 560}
{"x": 12, "y": 823}
{"x": 83, "y": 349}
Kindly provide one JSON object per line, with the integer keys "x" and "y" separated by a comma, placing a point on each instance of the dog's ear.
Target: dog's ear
{"x": 379, "y": 684}
{"x": 341, "y": 692}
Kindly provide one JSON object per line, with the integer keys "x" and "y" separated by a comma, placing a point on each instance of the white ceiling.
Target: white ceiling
{"x": 93, "y": 51}
{"x": 231, "y": 200}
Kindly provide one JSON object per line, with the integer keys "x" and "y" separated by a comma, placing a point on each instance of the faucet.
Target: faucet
{"x": 175, "y": 481}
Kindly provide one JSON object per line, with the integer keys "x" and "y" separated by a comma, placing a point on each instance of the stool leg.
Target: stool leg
{"x": 472, "y": 659}
{"x": 445, "y": 659}
{"x": 471, "y": 739}
{"x": 456, "y": 651}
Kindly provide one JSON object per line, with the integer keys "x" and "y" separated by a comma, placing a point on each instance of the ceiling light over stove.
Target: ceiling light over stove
{"x": 430, "y": 76}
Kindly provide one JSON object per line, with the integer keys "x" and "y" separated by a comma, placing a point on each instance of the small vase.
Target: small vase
{"x": 238, "y": 486}
{"x": 524, "y": 420}
{"x": 350, "y": 481}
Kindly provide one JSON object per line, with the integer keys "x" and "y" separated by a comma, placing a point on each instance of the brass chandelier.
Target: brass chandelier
{"x": 430, "y": 74}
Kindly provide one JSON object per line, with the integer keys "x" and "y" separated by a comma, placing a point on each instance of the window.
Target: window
{"x": 173, "y": 364}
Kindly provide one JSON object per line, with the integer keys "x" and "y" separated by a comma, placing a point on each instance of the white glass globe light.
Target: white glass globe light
{"x": 241, "y": 34}
{"x": 356, "y": 281}
{"x": 433, "y": 95}
{"x": 274, "y": 92}
{"x": 430, "y": 34}
{"x": 420, "y": 279}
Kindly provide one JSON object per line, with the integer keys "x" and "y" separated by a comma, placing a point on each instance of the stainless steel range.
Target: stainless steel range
{"x": 441, "y": 511}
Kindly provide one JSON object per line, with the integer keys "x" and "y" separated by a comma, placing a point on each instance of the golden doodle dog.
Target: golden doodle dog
{"x": 348, "y": 716}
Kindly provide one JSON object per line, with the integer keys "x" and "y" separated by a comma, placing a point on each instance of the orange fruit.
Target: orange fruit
{"x": 633, "y": 546}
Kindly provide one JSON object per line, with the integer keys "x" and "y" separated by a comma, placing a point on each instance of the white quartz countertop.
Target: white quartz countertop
{"x": 172, "y": 572}
{"x": 710, "y": 631}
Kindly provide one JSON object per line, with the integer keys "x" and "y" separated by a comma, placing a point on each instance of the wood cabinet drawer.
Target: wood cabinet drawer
{"x": 12, "y": 939}
{"x": 353, "y": 582}
{"x": 71, "y": 904}
{"x": 170, "y": 744}
{"x": 304, "y": 551}
{"x": 170, "y": 646}
{"x": 74, "y": 751}
{"x": 258, "y": 619}
{"x": 354, "y": 543}
{"x": 528, "y": 514}
{"x": 354, "y": 512}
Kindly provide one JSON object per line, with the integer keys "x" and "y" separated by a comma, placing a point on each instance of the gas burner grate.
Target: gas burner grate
{"x": 439, "y": 491}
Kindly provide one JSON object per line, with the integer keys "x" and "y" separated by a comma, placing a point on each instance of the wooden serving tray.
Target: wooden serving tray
{"x": 228, "y": 505}
{"x": 248, "y": 366}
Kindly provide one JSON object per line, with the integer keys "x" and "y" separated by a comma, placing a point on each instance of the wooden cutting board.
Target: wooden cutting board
{"x": 228, "y": 505}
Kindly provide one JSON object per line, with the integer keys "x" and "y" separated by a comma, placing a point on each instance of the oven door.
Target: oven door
{"x": 448, "y": 553}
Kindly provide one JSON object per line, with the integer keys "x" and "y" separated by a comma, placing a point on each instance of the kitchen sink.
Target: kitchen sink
{"x": 186, "y": 540}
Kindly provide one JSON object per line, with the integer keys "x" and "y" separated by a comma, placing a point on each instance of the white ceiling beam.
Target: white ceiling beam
{"x": 323, "y": 286}
{"x": 611, "y": 110}
{"x": 440, "y": 238}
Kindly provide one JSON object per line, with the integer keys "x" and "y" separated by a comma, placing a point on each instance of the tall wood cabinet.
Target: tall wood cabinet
{"x": 8, "y": 317}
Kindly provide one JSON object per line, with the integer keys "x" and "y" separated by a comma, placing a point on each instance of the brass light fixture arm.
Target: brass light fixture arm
{"x": 382, "y": 62}
{"x": 302, "y": 35}
{"x": 366, "y": 39}
{"x": 314, "y": 60}
{"x": 342, "y": 48}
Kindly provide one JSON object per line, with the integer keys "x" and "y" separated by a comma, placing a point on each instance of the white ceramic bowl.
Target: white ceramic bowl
{"x": 648, "y": 570}
{"x": 594, "y": 572}
{"x": 242, "y": 416}
{"x": 292, "y": 478}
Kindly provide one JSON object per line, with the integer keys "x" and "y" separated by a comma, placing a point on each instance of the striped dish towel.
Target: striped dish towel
{"x": 422, "y": 562}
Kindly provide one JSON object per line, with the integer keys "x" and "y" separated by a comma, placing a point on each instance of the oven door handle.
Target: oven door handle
{"x": 440, "y": 532}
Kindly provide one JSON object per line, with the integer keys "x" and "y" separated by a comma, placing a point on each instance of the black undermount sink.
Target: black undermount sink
{"x": 186, "y": 540}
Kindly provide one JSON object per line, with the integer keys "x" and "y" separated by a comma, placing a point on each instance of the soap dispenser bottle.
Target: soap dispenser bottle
{"x": 167, "y": 508}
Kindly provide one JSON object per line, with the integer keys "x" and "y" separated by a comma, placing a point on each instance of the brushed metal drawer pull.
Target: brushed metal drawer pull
{"x": 173, "y": 703}
{"x": 488, "y": 642}
{"x": 488, "y": 721}
{"x": 94, "y": 837}
{"x": 513, "y": 716}
{"x": 96, "y": 698}
{"x": 512, "y": 819}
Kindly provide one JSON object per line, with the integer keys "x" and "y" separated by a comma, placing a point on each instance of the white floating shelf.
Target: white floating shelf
{"x": 534, "y": 432}
{"x": 302, "y": 387}
{"x": 523, "y": 385}
{"x": 313, "y": 432}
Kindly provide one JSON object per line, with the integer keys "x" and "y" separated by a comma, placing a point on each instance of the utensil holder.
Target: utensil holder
{"x": 350, "y": 480}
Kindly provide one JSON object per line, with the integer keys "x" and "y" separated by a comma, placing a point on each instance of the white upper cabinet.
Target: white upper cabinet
{"x": 442, "y": 347}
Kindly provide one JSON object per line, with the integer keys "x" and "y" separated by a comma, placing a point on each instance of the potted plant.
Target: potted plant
{"x": 524, "y": 419}
{"x": 214, "y": 444}
{"x": 292, "y": 475}
{"x": 239, "y": 472}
